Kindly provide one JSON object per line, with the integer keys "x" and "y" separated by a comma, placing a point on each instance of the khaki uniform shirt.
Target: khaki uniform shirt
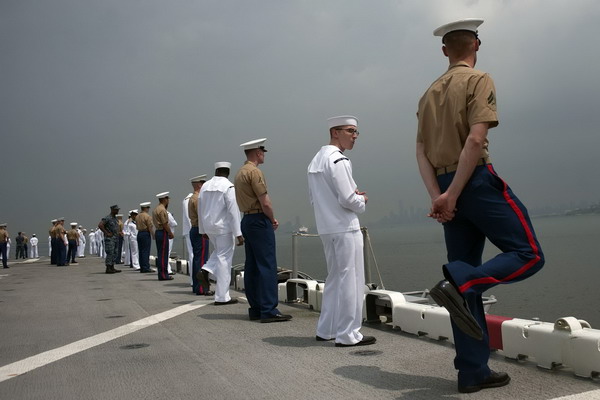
{"x": 72, "y": 234}
{"x": 160, "y": 217}
{"x": 144, "y": 222}
{"x": 59, "y": 231}
{"x": 51, "y": 231}
{"x": 120, "y": 226}
{"x": 3, "y": 236}
{"x": 249, "y": 185}
{"x": 193, "y": 209}
{"x": 460, "y": 98}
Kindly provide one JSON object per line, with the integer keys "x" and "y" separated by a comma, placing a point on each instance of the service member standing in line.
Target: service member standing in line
{"x": 92, "y": 240}
{"x": 258, "y": 229}
{"x": 219, "y": 219}
{"x": 53, "y": 247}
{"x": 199, "y": 243}
{"x": 109, "y": 226}
{"x": 34, "y": 246}
{"x": 126, "y": 241}
{"x": 81, "y": 242}
{"x": 119, "y": 259}
{"x": 336, "y": 202}
{"x": 72, "y": 238}
{"x": 132, "y": 231}
{"x": 163, "y": 233}
{"x": 471, "y": 200}
{"x": 3, "y": 241}
{"x": 186, "y": 226}
{"x": 61, "y": 243}
{"x": 144, "y": 237}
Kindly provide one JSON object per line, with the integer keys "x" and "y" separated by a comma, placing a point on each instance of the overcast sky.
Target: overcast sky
{"x": 113, "y": 101}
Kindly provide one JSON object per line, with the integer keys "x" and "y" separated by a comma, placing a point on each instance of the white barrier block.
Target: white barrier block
{"x": 436, "y": 323}
{"x": 239, "y": 281}
{"x": 282, "y": 292}
{"x": 584, "y": 347}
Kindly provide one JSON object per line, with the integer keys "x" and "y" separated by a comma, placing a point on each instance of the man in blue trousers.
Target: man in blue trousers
{"x": 199, "y": 242}
{"x": 162, "y": 234}
{"x": 258, "y": 229}
{"x": 145, "y": 234}
{"x": 471, "y": 201}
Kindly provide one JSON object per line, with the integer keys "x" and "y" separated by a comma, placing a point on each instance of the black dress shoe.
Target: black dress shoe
{"x": 169, "y": 278}
{"x": 366, "y": 340}
{"x": 222, "y": 303}
{"x": 321, "y": 339}
{"x": 145, "y": 271}
{"x": 276, "y": 318}
{"x": 447, "y": 296}
{"x": 495, "y": 379}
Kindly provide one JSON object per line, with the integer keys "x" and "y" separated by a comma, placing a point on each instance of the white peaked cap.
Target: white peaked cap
{"x": 254, "y": 144}
{"x": 145, "y": 204}
{"x": 134, "y": 211}
{"x": 4, "y": 226}
{"x": 53, "y": 221}
{"x": 162, "y": 195}
{"x": 73, "y": 223}
{"x": 467, "y": 24}
{"x": 61, "y": 218}
{"x": 119, "y": 215}
{"x": 342, "y": 120}
{"x": 223, "y": 164}
{"x": 199, "y": 178}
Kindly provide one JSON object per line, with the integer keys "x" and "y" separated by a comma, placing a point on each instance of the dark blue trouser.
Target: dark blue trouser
{"x": 72, "y": 251}
{"x": 3, "y": 254}
{"x": 61, "y": 256}
{"x": 260, "y": 271}
{"x": 487, "y": 208}
{"x": 200, "y": 248}
{"x": 119, "y": 250}
{"x": 162, "y": 254}
{"x": 144, "y": 240}
{"x": 53, "y": 251}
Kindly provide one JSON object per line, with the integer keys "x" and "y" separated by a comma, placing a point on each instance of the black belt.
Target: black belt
{"x": 252, "y": 212}
{"x": 454, "y": 167}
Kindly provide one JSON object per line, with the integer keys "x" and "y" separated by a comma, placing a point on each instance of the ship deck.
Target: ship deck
{"x": 77, "y": 333}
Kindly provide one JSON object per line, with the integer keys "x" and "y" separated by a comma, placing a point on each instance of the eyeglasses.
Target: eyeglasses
{"x": 351, "y": 131}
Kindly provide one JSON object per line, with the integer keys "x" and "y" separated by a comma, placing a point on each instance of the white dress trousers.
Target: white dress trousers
{"x": 219, "y": 263}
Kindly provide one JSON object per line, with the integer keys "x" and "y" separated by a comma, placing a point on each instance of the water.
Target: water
{"x": 410, "y": 258}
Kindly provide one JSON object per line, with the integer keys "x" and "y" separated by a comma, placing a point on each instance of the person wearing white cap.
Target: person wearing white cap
{"x": 219, "y": 219}
{"x": 81, "y": 242}
{"x": 145, "y": 234}
{"x": 61, "y": 243}
{"x": 120, "y": 240}
{"x": 337, "y": 201}
{"x": 72, "y": 238}
{"x": 162, "y": 234}
{"x": 92, "y": 240}
{"x": 198, "y": 242}
{"x": 471, "y": 200}
{"x": 132, "y": 232}
{"x": 258, "y": 229}
{"x": 4, "y": 235}
{"x": 109, "y": 226}
{"x": 126, "y": 240}
{"x": 34, "y": 246}
{"x": 172, "y": 225}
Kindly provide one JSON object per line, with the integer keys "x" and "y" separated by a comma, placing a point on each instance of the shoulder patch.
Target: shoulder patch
{"x": 491, "y": 99}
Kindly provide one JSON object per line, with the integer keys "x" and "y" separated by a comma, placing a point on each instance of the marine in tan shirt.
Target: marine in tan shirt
{"x": 144, "y": 221}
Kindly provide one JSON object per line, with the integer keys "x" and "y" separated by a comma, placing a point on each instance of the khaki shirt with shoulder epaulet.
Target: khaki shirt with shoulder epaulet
{"x": 457, "y": 100}
{"x": 3, "y": 236}
{"x": 193, "y": 209}
{"x": 160, "y": 217}
{"x": 72, "y": 234}
{"x": 249, "y": 185}
{"x": 144, "y": 222}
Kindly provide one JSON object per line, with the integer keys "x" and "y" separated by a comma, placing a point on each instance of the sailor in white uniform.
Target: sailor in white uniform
{"x": 81, "y": 242}
{"x": 126, "y": 246}
{"x": 100, "y": 243}
{"x": 187, "y": 225}
{"x": 336, "y": 202}
{"x": 92, "y": 240}
{"x": 172, "y": 225}
{"x": 132, "y": 232}
{"x": 34, "y": 246}
{"x": 219, "y": 218}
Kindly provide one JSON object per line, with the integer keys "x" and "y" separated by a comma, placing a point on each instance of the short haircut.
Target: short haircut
{"x": 459, "y": 43}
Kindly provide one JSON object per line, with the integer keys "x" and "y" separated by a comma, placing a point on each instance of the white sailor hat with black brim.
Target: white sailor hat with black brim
{"x": 222, "y": 164}
{"x": 73, "y": 223}
{"x": 199, "y": 178}
{"x": 255, "y": 144}
{"x": 467, "y": 24}
{"x": 162, "y": 195}
{"x": 4, "y": 226}
{"x": 135, "y": 211}
{"x": 342, "y": 120}
{"x": 145, "y": 204}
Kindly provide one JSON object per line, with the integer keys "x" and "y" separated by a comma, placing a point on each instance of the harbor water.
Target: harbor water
{"x": 409, "y": 257}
